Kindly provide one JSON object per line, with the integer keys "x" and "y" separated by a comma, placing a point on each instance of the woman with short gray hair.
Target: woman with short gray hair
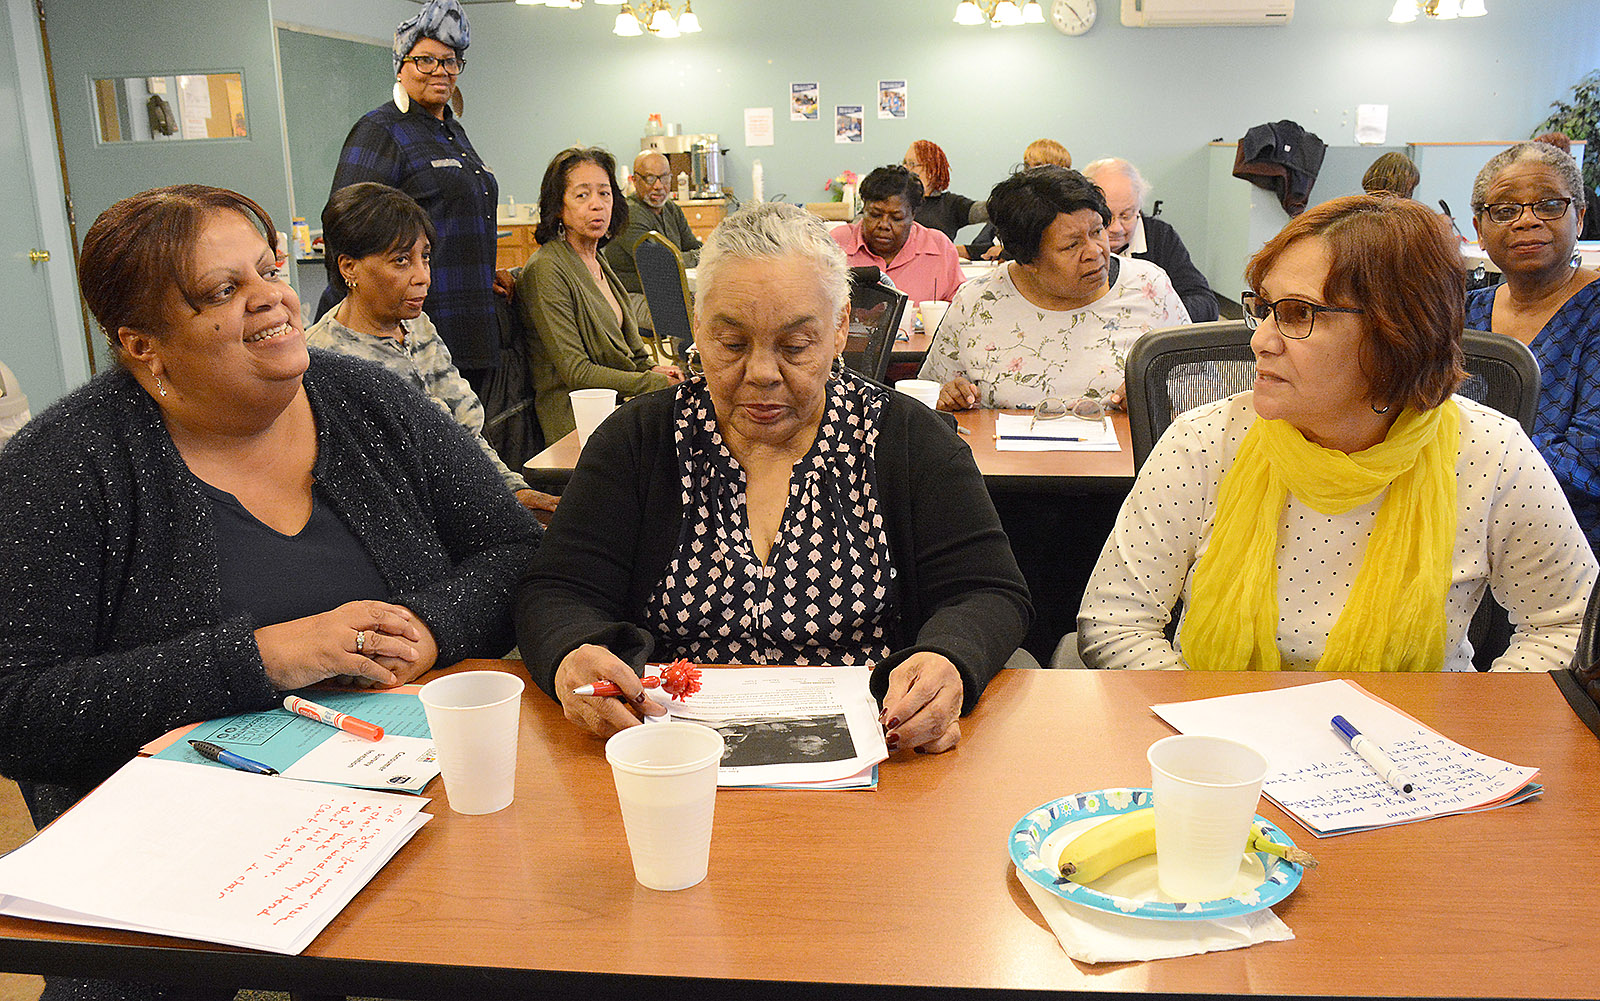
{"x": 1528, "y": 207}
{"x": 775, "y": 509}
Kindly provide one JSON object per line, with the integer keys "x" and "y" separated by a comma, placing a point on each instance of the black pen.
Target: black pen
{"x": 216, "y": 752}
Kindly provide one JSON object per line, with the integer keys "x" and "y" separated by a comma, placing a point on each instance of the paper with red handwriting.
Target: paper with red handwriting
{"x": 223, "y": 856}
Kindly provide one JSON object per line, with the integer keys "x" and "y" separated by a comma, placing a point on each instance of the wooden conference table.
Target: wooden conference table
{"x": 908, "y": 891}
{"x": 1003, "y": 472}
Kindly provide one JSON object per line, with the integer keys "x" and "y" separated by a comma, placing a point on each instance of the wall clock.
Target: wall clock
{"x": 1072, "y": 17}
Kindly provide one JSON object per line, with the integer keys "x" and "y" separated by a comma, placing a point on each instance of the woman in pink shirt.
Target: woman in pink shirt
{"x": 921, "y": 262}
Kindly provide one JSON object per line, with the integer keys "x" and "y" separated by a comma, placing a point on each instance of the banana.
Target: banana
{"x": 1103, "y": 847}
{"x": 1132, "y": 835}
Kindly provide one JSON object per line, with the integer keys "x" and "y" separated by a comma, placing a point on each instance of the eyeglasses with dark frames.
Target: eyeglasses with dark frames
{"x": 427, "y": 64}
{"x": 1295, "y": 317}
{"x": 1548, "y": 209}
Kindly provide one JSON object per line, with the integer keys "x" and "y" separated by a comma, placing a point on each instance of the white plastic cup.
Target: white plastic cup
{"x": 925, "y": 390}
{"x": 589, "y": 408}
{"x": 666, "y": 777}
{"x": 473, "y": 718}
{"x": 1205, "y": 790}
{"x": 932, "y": 311}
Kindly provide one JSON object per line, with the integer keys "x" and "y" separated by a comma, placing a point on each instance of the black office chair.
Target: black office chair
{"x": 666, "y": 290}
{"x": 875, "y": 313}
{"x": 1585, "y": 671}
{"x": 1179, "y": 368}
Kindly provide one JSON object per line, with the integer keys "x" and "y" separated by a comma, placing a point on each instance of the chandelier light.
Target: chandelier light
{"x": 656, "y": 18}
{"x": 998, "y": 13}
{"x": 1406, "y": 11}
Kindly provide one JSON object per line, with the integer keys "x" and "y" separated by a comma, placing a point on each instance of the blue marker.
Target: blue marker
{"x": 1372, "y": 755}
{"x": 216, "y": 752}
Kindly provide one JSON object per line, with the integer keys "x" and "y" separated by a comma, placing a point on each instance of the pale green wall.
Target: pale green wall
{"x": 164, "y": 38}
{"x": 542, "y": 78}
{"x": 328, "y": 83}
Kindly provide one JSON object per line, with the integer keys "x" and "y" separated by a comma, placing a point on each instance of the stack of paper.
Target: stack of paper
{"x": 1314, "y": 775}
{"x": 258, "y": 861}
{"x": 301, "y": 748}
{"x": 1021, "y": 433}
{"x": 791, "y": 727}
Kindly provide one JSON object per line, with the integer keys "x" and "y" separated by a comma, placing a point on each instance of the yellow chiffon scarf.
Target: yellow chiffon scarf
{"x": 1394, "y": 618}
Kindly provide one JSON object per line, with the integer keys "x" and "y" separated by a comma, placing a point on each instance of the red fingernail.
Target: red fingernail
{"x": 893, "y": 741}
{"x": 894, "y": 721}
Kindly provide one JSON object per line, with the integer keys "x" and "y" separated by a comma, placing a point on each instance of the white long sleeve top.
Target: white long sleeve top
{"x": 1515, "y": 534}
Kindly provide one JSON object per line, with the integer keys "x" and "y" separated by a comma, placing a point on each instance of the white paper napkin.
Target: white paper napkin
{"x": 1092, "y": 936}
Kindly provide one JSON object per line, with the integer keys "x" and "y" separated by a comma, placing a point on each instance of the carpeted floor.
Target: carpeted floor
{"x": 15, "y": 828}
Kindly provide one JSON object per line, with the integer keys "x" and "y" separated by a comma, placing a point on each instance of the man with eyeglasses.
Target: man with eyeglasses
{"x": 415, "y": 143}
{"x": 650, "y": 207}
{"x": 1134, "y": 234}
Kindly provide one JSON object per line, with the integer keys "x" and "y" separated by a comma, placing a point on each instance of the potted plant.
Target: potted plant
{"x": 1579, "y": 118}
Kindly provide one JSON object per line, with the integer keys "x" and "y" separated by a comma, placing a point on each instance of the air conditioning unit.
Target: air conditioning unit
{"x": 1201, "y": 13}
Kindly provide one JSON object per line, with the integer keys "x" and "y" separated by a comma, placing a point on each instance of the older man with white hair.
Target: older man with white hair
{"x": 1134, "y": 234}
{"x": 650, "y": 207}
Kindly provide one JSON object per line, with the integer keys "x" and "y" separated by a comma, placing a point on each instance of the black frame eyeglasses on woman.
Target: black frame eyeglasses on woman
{"x": 1295, "y": 317}
{"x": 427, "y": 64}
{"x": 1505, "y": 213}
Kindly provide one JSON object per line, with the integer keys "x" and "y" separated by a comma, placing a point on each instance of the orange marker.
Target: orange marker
{"x": 332, "y": 717}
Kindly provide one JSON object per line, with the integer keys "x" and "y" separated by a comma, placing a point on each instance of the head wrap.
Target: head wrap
{"x": 441, "y": 20}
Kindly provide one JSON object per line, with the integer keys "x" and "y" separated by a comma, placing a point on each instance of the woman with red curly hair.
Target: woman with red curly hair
{"x": 942, "y": 210}
{"x": 1347, "y": 513}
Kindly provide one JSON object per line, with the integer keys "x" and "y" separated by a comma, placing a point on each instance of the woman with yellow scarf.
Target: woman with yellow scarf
{"x": 1348, "y": 512}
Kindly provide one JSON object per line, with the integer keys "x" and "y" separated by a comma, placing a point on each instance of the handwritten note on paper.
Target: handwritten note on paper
{"x": 1327, "y": 786}
{"x": 221, "y": 856}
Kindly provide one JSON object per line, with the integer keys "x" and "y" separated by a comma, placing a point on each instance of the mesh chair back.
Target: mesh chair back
{"x": 666, "y": 290}
{"x": 1501, "y": 373}
{"x": 1180, "y": 368}
{"x": 875, "y": 313}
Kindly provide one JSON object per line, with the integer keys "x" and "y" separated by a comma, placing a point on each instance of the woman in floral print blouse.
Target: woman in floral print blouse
{"x": 1057, "y": 321}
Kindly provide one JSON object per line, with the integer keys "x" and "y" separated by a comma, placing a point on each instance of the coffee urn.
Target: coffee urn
{"x": 705, "y": 158}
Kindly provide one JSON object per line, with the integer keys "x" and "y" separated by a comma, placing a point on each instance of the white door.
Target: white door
{"x": 41, "y": 335}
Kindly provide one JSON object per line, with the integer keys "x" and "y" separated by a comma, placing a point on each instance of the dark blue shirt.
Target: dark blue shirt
{"x": 1566, "y": 426}
{"x": 432, "y": 161}
{"x": 272, "y": 577}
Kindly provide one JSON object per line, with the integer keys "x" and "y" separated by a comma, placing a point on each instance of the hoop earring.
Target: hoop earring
{"x": 1577, "y": 259}
{"x": 352, "y": 284}
{"x": 1379, "y": 412}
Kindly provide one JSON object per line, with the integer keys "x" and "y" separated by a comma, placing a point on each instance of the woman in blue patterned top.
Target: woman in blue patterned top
{"x": 1528, "y": 207}
{"x": 776, "y": 510}
{"x": 415, "y": 143}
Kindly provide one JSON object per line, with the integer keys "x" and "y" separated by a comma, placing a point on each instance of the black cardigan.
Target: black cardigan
{"x": 620, "y": 521}
{"x": 111, "y": 624}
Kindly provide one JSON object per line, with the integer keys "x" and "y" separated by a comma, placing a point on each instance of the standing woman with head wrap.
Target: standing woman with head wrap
{"x": 413, "y": 142}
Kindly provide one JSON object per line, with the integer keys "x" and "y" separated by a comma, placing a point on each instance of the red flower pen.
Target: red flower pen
{"x": 680, "y": 679}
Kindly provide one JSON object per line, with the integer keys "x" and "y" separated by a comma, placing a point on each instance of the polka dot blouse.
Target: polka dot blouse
{"x": 826, "y": 594}
{"x": 1515, "y": 533}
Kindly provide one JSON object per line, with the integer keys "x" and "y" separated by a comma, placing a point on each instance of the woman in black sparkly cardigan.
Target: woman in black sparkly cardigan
{"x": 227, "y": 516}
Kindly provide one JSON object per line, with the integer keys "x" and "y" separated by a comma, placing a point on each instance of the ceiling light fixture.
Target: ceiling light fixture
{"x": 1406, "y": 11}
{"x": 998, "y": 13}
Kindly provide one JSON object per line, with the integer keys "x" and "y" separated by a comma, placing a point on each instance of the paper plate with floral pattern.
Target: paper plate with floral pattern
{"x": 1038, "y": 838}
